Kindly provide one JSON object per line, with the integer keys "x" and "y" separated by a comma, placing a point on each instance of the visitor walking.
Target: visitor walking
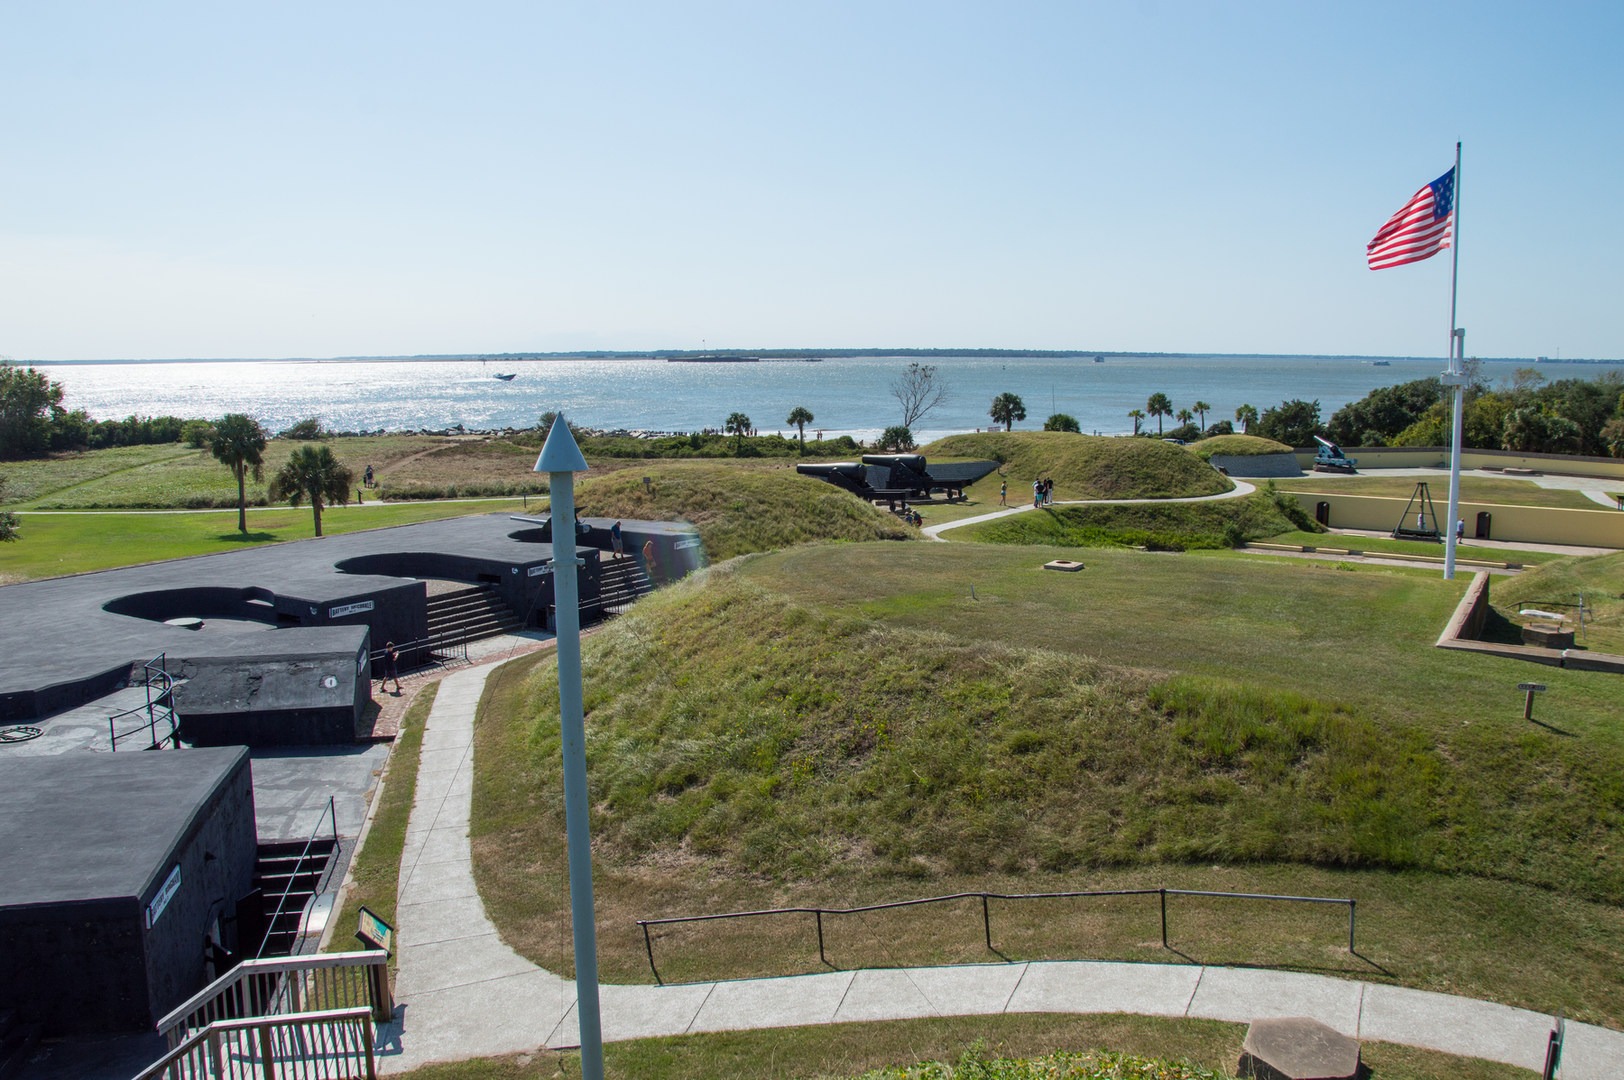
{"x": 615, "y": 540}
{"x": 1003, "y": 493}
{"x": 1037, "y": 493}
{"x": 648, "y": 557}
{"x": 391, "y": 667}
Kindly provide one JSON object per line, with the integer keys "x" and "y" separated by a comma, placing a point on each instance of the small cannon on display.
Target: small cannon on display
{"x": 1331, "y": 458}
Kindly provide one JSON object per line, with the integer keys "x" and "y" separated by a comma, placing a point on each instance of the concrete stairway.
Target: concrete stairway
{"x": 287, "y": 866}
{"x": 17, "y": 1041}
{"x": 620, "y": 583}
{"x": 469, "y": 615}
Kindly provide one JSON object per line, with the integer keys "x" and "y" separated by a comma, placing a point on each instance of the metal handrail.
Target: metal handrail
{"x": 304, "y": 853}
{"x": 332, "y": 1043}
{"x": 986, "y": 916}
{"x": 285, "y": 985}
{"x": 153, "y": 670}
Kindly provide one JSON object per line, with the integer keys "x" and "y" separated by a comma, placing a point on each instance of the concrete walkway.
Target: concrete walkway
{"x": 462, "y": 993}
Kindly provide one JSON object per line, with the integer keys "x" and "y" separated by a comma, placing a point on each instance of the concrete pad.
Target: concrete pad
{"x": 792, "y": 1001}
{"x": 485, "y": 1019}
{"x": 442, "y": 920}
{"x": 1241, "y": 995}
{"x": 433, "y": 881}
{"x": 448, "y": 760}
{"x": 637, "y": 1012}
{"x": 1455, "y": 1025}
{"x": 1090, "y": 987}
{"x": 434, "y": 845}
{"x": 438, "y": 965}
{"x": 1591, "y": 1053}
{"x": 1298, "y": 1048}
{"x": 883, "y": 995}
{"x": 970, "y": 989}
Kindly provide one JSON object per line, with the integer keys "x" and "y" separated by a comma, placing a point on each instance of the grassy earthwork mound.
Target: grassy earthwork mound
{"x": 1084, "y": 466}
{"x": 1237, "y": 446}
{"x": 739, "y": 510}
{"x": 846, "y": 724}
{"x": 1220, "y": 523}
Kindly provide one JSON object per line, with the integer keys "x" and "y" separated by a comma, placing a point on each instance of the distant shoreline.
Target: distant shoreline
{"x": 796, "y": 354}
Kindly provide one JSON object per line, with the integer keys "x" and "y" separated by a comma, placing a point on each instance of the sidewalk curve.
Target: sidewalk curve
{"x": 462, "y": 993}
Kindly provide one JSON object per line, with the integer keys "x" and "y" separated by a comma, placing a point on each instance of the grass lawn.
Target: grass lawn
{"x": 1082, "y": 466}
{"x": 1559, "y": 586}
{"x": 74, "y": 543}
{"x": 839, "y": 1051}
{"x": 1470, "y": 549}
{"x": 175, "y": 476}
{"x": 847, "y": 725}
{"x": 1477, "y": 489}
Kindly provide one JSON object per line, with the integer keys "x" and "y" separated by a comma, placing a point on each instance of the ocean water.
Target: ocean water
{"x": 848, "y": 396}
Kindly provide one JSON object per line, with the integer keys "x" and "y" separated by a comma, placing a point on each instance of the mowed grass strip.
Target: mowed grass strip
{"x": 838, "y": 1051}
{"x": 1477, "y": 489}
{"x": 1470, "y": 549}
{"x": 757, "y": 739}
{"x": 54, "y": 544}
{"x": 375, "y": 870}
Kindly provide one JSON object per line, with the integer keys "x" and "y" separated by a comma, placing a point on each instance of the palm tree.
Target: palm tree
{"x": 239, "y": 442}
{"x": 1006, "y": 409}
{"x": 1246, "y": 416}
{"x": 1159, "y": 406}
{"x": 1184, "y": 416}
{"x": 800, "y": 418}
{"x": 312, "y": 471}
{"x": 738, "y": 425}
{"x": 1203, "y": 408}
{"x": 1137, "y": 416}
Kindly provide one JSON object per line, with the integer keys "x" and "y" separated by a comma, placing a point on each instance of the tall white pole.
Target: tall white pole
{"x": 561, "y": 459}
{"x": 1455, "y": 377}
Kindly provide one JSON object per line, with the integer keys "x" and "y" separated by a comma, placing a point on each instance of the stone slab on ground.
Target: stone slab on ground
{"x": 1297, "y": 1048}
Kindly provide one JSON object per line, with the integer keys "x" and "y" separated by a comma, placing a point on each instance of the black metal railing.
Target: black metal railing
{"x": 329, "y": 814}
{"x": 159, "y": 709}
{"x": 986, "y": 913}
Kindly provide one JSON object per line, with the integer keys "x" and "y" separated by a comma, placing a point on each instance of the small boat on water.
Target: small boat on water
{"x": 1099, "y": 359}
{"x": 1381, "y": 363}
{"x": 508, "y": 378}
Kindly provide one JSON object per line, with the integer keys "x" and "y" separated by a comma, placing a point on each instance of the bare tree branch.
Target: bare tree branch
{"x": 918, "y": 390}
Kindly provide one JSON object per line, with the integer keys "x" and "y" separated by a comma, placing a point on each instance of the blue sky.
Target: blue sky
{"x": 296, "y": 179}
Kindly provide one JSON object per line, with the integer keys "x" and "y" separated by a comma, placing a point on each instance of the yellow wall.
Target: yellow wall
{"x": 1532, "y": 524}
{"x": 1435, "y": 457}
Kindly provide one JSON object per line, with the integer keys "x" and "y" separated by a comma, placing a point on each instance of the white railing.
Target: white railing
{"x": 335, "y": 1044}
{"x": 285, "y": 985}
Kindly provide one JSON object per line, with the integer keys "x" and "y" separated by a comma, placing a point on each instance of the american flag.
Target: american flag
{"x": 1421, "y": 229}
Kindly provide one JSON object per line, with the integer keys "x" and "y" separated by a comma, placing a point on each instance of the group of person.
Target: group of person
{"x": 1042, "y": 492}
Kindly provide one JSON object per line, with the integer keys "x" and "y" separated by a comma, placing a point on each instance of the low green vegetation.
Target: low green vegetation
{"x": 1478, "y": 489}
{"x": 175, "y": 476}
{"x": 1471, "y": 549}
{"x": 374, "y": 876}
{"x": 53, "y": 544}
{"x": 1237, "y": 446}
{"x": 1223, "y": 523}
{"x": 850, "y": 725}
{"x": 837, "y": 1051}
{"x": 1082, "y": 466}
{"x": 738, "y": 511}
{"x": 1558, "y": 586}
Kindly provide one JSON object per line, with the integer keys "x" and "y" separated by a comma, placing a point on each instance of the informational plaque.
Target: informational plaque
{"x": 374, "y": 932}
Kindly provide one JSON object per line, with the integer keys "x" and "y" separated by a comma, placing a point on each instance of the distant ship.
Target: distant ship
{"x": 508, "y": 378}
{"x": 1099, "y": 359}
{"x": 1381, "y": 363}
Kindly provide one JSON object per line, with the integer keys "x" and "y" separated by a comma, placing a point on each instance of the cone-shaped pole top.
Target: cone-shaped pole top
{"x": 560, "y": 453}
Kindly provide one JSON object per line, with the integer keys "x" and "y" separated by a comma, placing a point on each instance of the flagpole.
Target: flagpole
{"x": 1455, "y": 377}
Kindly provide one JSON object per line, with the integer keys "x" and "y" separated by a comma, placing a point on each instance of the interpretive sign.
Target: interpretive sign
{"x": 537, "y": 571}
{"x": 166, "y": 893}
{"x": 374, "y": 932}
{"x": 349, "y": 609}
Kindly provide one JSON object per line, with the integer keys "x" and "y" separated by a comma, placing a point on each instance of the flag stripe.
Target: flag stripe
{"x": 1422, "y": 227}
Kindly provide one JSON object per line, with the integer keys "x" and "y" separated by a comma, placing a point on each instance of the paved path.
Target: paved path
{"x": 465, "y": 994}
